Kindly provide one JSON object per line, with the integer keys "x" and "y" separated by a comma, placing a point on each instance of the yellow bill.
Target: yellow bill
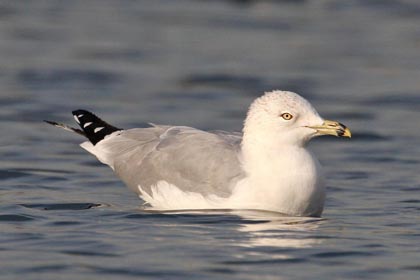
{"x": 332, "y": 128}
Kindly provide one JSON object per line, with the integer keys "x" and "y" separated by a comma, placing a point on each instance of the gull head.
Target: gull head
{"x": 286, "y": 118}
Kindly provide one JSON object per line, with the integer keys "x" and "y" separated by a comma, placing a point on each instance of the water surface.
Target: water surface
{"x": 200, "y": 63}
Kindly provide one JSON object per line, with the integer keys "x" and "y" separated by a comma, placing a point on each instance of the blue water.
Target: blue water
{"x": 200, "y": 63}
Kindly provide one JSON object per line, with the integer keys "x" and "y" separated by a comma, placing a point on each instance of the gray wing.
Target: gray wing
{"x": 191, "y": 159}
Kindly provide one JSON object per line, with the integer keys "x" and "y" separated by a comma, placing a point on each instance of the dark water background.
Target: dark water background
{"x": 200, "y": 63}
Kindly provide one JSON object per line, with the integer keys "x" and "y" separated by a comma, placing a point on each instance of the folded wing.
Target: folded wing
{"x": 191, "y": 159}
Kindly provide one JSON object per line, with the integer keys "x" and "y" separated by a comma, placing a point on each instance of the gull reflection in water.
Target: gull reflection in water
{"x": 277, "y": 230}
{"x": 260, "y": 228}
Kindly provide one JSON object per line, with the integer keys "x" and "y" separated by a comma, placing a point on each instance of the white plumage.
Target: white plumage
{"x": 268, "y": 167}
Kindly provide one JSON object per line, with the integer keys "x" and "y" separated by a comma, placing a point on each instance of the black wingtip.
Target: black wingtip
{"x": 66, "y": 127}
{"x": 51, "y": 122}
{"x": 94, "y": 128}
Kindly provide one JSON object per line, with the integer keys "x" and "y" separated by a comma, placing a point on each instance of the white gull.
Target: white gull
{"x": 268, "y": 167}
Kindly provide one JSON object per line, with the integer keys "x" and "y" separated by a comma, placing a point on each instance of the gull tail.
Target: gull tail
{"x": 92, "y": 127}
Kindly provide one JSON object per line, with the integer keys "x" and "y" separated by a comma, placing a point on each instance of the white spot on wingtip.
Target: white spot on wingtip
{"x": 77, "y": 119}
{"x": 87, "y": 124}
{"x": 98, "y": 129}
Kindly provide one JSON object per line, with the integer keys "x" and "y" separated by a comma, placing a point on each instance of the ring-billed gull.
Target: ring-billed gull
{"x": 267, "y": 167}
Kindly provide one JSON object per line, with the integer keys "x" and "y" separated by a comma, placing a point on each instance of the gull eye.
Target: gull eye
{"x": 286, "y": 116}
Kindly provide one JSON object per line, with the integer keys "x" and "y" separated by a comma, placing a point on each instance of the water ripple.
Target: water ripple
{"x": 62, "y": 206}
{"x": 15, "y": 218}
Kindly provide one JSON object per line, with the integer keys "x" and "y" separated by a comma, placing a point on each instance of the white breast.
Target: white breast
{"x": 292, "y": 183}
